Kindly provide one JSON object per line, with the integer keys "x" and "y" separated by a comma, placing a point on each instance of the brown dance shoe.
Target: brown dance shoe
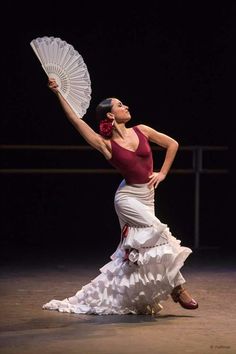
{"x": 180, "y": 295}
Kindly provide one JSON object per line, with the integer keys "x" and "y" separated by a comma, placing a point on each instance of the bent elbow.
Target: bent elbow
{"x": 175, "y": 144}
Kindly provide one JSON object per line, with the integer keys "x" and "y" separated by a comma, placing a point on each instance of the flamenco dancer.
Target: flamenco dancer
{"x": 145, "y": 268}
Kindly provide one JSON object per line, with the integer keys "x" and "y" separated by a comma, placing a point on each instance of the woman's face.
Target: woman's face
{"x": 120, "y": 111}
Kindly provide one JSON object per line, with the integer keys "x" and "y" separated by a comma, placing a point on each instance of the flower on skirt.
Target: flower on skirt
{"x": 131, "y": 255}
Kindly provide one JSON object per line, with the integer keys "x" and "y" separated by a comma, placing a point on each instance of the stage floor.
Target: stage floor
{"x": 27, "y": 329}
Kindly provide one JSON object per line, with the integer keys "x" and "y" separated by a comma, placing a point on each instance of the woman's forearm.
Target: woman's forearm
{"x": 169, "y": 157}
{"x": 80, "y": 125}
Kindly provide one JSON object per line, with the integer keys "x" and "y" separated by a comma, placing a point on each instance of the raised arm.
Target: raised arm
{"x": 93, "y": 139}
{"x": 166, "y": 142}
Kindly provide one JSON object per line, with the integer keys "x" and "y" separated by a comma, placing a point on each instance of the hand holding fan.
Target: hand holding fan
{"x": 63, "y": 63}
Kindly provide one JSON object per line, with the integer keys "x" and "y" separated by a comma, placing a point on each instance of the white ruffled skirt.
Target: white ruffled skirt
{"x": 143, "y": 270}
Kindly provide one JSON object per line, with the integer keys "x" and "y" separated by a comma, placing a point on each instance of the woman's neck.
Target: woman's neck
{"x": 119, "y": 131}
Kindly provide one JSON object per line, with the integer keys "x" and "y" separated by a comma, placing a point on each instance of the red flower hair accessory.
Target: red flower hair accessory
{"x": 106, "y": 127}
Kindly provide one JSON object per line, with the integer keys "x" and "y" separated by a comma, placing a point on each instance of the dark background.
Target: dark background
{"x": 170, "y": 62}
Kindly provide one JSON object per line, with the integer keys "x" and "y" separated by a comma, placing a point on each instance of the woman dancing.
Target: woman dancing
{"x": 145, "y": 268}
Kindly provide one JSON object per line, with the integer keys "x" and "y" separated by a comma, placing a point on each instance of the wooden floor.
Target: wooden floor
{"x": 27, "y": 329}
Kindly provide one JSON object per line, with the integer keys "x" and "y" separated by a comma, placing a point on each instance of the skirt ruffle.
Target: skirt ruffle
{"x": 142, "y": 272}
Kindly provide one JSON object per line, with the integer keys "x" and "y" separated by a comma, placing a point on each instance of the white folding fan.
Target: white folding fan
{"x": 62, "y": 62}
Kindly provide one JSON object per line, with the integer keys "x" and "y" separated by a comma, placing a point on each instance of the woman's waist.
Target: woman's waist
{"x": 137, "y": 177}
{"x": 141, "y": 190}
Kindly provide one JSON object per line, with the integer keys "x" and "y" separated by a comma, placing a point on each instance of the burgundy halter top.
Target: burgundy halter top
{"x": 134, "y": 166}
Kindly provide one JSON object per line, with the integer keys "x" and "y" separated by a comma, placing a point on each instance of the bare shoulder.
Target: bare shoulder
{"x": 146, "y": 130}
{"x": 157, "y": 137}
